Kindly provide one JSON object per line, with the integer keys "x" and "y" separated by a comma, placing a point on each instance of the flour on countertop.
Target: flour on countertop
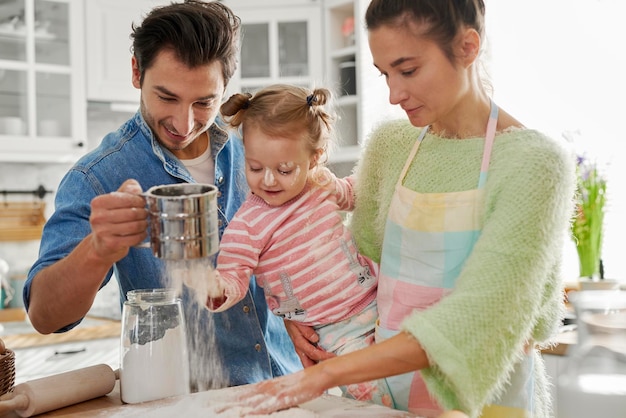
{"x": 213, "y": 403}
{"x": 221, "y": 403}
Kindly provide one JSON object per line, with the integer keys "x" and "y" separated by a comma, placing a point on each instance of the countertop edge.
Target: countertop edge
{"x": 105, "y": 328}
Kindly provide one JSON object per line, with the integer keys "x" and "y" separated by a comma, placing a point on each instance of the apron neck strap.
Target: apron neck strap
{"x": 490, "y": 135}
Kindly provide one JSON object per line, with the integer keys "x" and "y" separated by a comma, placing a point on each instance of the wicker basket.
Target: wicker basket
{"x": 7, "y": 371}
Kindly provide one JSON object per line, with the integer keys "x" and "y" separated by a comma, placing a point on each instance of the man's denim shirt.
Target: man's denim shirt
{"x": 131, "y": 152}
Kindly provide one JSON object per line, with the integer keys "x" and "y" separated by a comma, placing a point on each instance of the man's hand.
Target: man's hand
{"x": 305, "y": 340}
{"x": 118, "y": 221}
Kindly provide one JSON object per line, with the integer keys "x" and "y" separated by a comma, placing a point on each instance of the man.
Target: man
{"x": 184, "y": 54}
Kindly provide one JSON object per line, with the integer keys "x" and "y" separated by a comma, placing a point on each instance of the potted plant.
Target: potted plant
{"x": 589, "y": 218}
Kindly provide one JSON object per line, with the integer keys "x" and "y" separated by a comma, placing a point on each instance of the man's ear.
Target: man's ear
{"x": 136, "y": 75}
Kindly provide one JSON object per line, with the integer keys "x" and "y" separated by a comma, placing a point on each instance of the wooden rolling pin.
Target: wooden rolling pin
{"x": 58, "y": 391}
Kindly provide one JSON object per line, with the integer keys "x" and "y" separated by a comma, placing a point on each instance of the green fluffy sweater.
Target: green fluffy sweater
{"x": 509, "y": 291}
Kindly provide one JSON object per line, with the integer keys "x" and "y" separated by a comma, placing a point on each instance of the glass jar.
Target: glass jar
{"x": 594, "y": 381}
{"x": 154, "y": 359}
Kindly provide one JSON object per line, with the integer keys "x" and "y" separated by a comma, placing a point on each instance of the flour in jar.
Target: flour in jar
{"x": 150, "y": 371}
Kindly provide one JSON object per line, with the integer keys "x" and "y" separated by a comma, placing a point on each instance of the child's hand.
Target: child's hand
{"x": 214, "y": 303}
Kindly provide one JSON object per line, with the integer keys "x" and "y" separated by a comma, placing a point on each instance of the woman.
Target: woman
{"x": 468, "y": 230}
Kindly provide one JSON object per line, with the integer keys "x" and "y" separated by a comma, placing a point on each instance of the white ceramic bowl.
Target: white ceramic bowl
{"x": 12, "y": 125}
{"x": 604, "y": 284}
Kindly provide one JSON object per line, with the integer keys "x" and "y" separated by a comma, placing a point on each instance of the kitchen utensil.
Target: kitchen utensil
{"x": 58, "y": 391}
{"x": 154, "y": 357}
{"x": 183, "y": 220}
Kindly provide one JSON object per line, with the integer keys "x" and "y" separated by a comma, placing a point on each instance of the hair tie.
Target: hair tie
{"x": 246, "y": 103}
{"x": 310, "y": 99}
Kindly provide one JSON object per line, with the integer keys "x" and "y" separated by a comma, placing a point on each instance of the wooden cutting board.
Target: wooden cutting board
{"x": 21, "y": 221}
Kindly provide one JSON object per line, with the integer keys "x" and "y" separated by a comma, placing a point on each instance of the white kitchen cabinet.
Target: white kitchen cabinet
{"x": 108, "y": 47}
{"x": 281, "y": 44}
{"x": 42, "y": 93}
{"x": 363, "y": 94}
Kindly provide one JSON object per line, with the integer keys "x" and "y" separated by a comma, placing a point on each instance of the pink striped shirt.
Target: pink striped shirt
{"x": 301, "y": 253}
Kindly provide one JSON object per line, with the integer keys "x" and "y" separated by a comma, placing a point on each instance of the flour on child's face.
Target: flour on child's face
{"x": 269, "y": 178}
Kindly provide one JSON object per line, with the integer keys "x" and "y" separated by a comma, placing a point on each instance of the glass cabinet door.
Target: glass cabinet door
{"x": 13, "y": 77}
{"x": 13, "y": 102}
{"x": 12, "y": 30}
{"x": 40, "y": 77}
{"x": 53, "y": 103}
{"x": 53, "y": 98}
{"x": 255, "y": 50}
{"x": 51, "y": 30}
{"x": 279, "y": 46}
{"x": 293, "y": 54}
{"x": 291, "y": 40}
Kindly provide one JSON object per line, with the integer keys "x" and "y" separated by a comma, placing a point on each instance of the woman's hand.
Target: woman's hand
{"x": 280, "y": 393}
{"x": 305, "y": 341}
{"x": 399, "y": 354}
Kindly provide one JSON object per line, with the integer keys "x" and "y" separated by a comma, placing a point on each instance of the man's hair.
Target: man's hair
{"x": 199, "y": 32}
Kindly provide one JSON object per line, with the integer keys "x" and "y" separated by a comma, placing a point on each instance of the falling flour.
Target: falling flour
{"x": 197, "y": 274}
{"x": 195, "y": 278}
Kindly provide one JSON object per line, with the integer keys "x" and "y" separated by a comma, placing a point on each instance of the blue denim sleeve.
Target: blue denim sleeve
{"x": 66, "y": 227}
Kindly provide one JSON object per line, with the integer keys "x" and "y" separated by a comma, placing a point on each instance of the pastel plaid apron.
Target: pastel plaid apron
{"x": 428, "y": 237}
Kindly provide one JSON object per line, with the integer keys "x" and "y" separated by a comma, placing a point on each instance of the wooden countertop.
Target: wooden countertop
{"x": 111, "y": 405}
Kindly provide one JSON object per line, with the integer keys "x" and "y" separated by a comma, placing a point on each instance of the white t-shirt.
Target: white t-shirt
{"x": 202, "y": 168}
